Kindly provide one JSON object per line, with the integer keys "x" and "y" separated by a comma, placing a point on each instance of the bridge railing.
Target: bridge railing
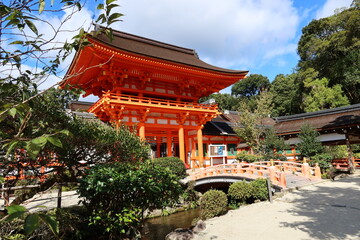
{"x": 294, "y": 167}
{"x": 249, "y": 170}
{"x": 275, "y": 170}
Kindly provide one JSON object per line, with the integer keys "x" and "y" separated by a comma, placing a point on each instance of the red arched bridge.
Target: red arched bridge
{"x": 283, "y": 174}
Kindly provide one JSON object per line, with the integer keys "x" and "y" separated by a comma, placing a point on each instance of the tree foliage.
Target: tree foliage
{"x": 309, "y": 144}
{"x": 32, "y": 122}
{"x": 118, "y": 194}
{"x": 224, "y": 101}
{"x": 331, "y": 46}
{"x": 271, "y": 144}
{"x": 286, "y": 93}
{"x": 174, "y": 164}
{"x": 252, "y": 126}
{"x": 250, "y": 86}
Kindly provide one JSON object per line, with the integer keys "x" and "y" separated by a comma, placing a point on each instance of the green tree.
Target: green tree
{"x": 252, "y": 125}
{"x": 250, "y": 86}
{"x": 225, "y": 101}
{"x": 286, "y": 93}
{"x": 271, "y": 144}
{"x": 331, "y": 46}
{"x": 322, "y": 97}
{"x": 309, "y": 144}
{"x": 30, "y": 119}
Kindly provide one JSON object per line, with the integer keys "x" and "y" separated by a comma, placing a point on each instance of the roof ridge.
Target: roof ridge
{"x": 151, "y": 41}
{"x": 324, "y": 112}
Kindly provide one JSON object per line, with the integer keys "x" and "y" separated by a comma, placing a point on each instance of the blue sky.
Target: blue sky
{"x": 256, "y": 35}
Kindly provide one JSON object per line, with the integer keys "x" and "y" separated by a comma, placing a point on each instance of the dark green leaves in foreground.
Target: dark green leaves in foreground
{"x": 32, "y": 221}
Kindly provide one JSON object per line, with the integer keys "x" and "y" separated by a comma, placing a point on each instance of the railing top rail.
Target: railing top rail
{"x": 124, "y": 97}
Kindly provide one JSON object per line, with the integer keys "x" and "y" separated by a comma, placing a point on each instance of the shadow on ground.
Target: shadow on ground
{"x": 330, "y": 211}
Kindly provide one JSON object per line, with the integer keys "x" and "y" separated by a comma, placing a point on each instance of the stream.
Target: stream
{"x": 157, "y": 228}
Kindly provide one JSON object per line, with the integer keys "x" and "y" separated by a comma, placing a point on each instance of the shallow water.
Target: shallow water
{"x": 157, "y": 228}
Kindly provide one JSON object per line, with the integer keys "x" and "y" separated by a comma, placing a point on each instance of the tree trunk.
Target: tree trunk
{"x": 350, "y": 154}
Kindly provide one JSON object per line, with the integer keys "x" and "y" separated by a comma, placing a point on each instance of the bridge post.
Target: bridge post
{"x": 317, "y": 171}
{"x": 282, "y": 179}
{"x": 305, "y": 170}
{"x": 272, "y": 174}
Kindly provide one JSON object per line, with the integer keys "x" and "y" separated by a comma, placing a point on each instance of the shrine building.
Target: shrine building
{"x": 156, "y": 87}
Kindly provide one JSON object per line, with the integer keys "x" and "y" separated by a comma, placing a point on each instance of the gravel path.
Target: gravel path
{"x": 45, "y": 201}
{"x": 327, "y": 210}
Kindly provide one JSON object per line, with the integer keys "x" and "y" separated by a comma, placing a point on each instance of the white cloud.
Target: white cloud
{"x": 330, "y": 6}
{"x": 237, "y": 34}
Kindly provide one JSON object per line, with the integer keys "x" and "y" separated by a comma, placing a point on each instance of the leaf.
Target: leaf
{"x": 114, "y": 17}
{"x": 40, "y": 141}
{"x": 12, "y": 112}
{"x": 102, "y": 18}
{"x": 100, "y": 6}
{"x": 65, "y": 132}
{"x": 17, "y": 42}
{"x": 78, "y": 5}
{"x": 10, "y": 146}
{"x": 32, "y": 149}
{"x": 14, "y": 211}
{"x": 31, "y": 223}
{"x": 51, "y": 222}
{"x": 109, "y": 1}
{"x": 13, "y": 216}
{"x": 41, "y": 6}
{"x": 15, "y": 208}
{"x": 32, "y": 26}
{"x": 55, "y": 141}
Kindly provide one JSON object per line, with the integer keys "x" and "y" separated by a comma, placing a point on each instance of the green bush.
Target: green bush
{"x": 240, "y": 192}
{"x": 213, "y": 203}
{"x": 246, "y": 157}
{"x": 323, "y": 160}
{"x": 190, "y": 196}
{"x": 243, "y": 192}
{"x": 174, "y": 164}
{"x": 117, "y": 195}
{"x": 259, "y": 189}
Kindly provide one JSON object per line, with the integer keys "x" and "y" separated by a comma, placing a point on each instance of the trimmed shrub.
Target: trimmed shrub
{"x": 240, "y": 192}
{"x": 247, "y": 157}
{"x": 213, "y": 203}
{"x": 174, "y": 164}
{"x": 259, "y": 189}
{"x": 118, "y": 194}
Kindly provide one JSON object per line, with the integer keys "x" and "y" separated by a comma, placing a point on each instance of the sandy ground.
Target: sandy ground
{"x": 48, "y": 200}
{"x": 327, "y": 210}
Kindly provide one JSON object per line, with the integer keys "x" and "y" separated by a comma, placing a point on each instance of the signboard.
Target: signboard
{"x": 217, "y": 150}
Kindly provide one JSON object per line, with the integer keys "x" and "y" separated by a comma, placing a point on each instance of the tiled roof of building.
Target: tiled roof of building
{"x": 321, "y": 120}
{"x": 156, "y": 49}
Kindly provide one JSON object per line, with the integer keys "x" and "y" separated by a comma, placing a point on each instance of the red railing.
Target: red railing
{"x": 275, "y": 170}
{"x": 109, "y": 98}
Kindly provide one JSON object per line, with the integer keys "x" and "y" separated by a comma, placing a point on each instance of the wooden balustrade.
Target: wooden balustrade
{"x": 275, "y": 170}
{"x": 108, "y": 98}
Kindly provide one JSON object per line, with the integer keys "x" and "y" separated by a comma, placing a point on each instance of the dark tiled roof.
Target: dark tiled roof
{"x": 80, "y": 106}
{"x": 219, "y": 128}
{"x": 321, "y": 120}
{"x": 155, "y": 49}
